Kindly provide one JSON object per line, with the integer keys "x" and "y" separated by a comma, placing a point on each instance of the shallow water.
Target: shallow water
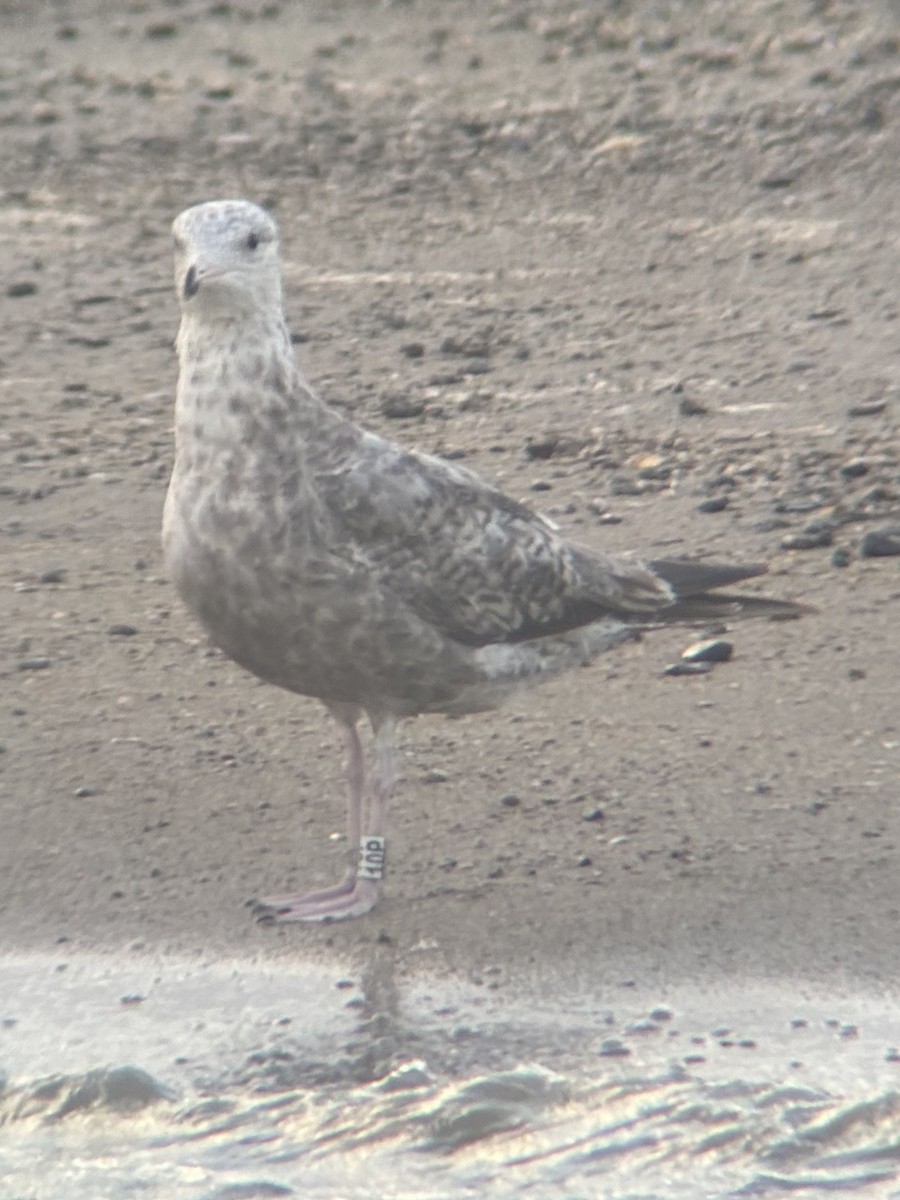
{"x": 208, "y": 1082}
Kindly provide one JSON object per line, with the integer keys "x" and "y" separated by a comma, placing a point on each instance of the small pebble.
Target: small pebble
{"x": 881, "y": 543}
{"x": 613, "y": 1048}
{"x": 510, "y": 801}
{"x": 542, "y": 447}
{"x": 644, "y": 1025}
{"x": 474, "y": 346}
{"x": 122, "y": 630}
{"x": 869, "y": 408}
{"x": 34, "y": 664}
{"x": 477, "y": 366}
{"x": 711, "y": 650}
{"x": 713, "y": 505}
{"x": 688, "y": 668}
{"x": 397, "y": 406}
{"x": 814, "y": 537}
{"x": 841, "y": 557}
{"x": 55, "y": 575}
{"x": 691, "y": 408}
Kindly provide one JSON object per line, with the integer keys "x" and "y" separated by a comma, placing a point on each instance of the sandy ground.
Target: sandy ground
{"x": 623, "y": 259}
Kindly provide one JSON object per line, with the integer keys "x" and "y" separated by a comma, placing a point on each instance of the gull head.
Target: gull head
{"x": 226, "y": 260}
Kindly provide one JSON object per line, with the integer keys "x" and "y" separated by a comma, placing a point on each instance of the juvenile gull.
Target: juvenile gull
{"x": 331, "y": 562}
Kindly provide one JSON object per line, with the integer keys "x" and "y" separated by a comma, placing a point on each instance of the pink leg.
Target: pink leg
{"x": 352, "y": 896}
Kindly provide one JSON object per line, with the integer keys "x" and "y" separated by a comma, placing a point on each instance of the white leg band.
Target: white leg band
{"x": 371, "y": 858}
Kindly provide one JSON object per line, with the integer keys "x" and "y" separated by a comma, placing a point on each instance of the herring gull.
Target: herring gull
{"x": 331, "y": 562}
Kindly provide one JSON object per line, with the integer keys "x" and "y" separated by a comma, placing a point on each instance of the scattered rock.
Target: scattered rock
{"x": 34, "y": 664}
{"x": 868, "y": 408}
{"x": 688, "y": 668}
{"x": 435, "y": 776}
{"x": 881, "y": 543}
{"x": 470, "y": 347}
{"x": 841, "y": 557}
{"x": 625, "y": 485}
{"x": 122, "y": 630}
{"x": 54, "y": 575}
{"x": 477, "y": 366}
{"x": 713, "y": 505}
{"x": 643, "y": 1025}
{"x": 691, "y": 408}
{"x": 22, "y": 287}
{"x": 613, "y": 1048}
{"x": 541, "y": 447}
{"x": 413, "y": 350}
{"x": 855, "y": 468}
{"x": 711, "y": 650}
{"x": 814, "y": 536}
{"x": 399, "y": 405}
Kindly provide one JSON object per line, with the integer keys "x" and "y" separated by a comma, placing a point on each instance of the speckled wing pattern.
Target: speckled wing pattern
{"x": 461, "y": 555}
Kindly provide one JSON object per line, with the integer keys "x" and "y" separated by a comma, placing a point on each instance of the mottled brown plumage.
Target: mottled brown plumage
{"x": 331, "y": 562}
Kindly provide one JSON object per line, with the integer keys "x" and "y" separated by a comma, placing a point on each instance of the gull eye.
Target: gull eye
{"x": 252, "y": 241}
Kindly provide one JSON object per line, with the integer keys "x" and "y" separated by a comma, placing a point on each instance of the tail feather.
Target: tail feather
{"x": 696, "y": 599}
{"x": 689, "y": 578}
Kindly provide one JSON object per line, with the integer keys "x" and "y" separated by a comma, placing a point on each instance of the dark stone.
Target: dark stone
{"x": 868, "y": 408}
{"x": 881, "y": 543}
{"x": 712, "y": 650}
{"x": 688, "y": 668}
{"x": 398, "y": 406}
{"x": 713, "y": 505}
